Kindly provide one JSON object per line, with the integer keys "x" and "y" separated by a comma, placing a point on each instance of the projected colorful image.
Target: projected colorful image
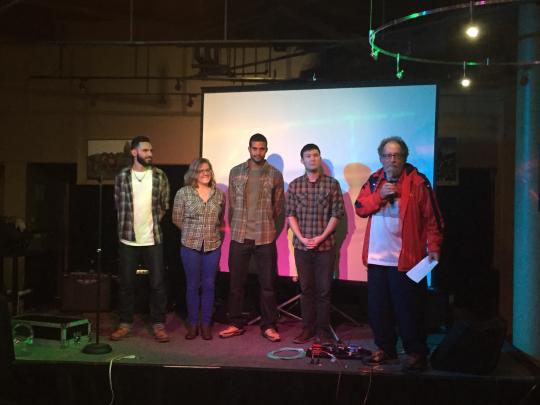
{"x": 346, "y": 123}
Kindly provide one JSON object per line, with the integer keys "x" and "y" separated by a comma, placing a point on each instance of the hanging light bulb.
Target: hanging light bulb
{"x": 465, "y": 81}
{"x": 472, "y": 31}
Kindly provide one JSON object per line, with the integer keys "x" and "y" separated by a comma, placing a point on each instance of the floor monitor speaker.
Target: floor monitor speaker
{"x": 470, "y": 347}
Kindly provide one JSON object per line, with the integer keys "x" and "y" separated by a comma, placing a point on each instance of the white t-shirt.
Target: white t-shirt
{"x": 385, "y": 235}
{"x": 143, "y": 223}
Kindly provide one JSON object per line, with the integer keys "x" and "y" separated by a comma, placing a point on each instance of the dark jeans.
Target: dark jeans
{"x": 315, "y": 270}
{"x": 152, "y": 258}
{"x": 240, "y": 255}
{"x": 200, "y": 268}
{"x": 394, "y": 297}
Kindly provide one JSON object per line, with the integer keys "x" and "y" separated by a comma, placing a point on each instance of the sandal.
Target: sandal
{"x": 271, "y": 334}
{"x": 231, "y": 331}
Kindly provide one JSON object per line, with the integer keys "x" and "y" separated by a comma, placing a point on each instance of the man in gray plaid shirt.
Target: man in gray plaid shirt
{"x": 314, "y": 208}
{"x": 141, "y": 196}
{"x": 256, "y": 198}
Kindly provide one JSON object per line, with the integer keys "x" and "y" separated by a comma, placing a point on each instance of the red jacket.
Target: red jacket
{"x": 419, "y": 213}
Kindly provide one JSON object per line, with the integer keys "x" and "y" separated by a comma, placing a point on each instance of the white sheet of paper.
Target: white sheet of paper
{"x": 418, "y": 272}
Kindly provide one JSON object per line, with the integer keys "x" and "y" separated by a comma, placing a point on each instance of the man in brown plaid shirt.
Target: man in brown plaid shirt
{"x": 256, "y": 198}
{"x": 314, "y": 208}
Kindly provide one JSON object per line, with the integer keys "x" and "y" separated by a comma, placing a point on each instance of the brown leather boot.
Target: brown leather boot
{"x": 121, "y": 332}
{"x": 304, "y": 337}
{"x": 206, "y": 332}
{"x": 192, "y": 332}
{"x": 161, "y": 335}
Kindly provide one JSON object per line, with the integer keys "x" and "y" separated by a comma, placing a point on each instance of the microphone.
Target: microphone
{"x": 393, "y": 180}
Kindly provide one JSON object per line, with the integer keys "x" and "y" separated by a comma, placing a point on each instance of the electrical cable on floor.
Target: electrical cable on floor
{"x": 122, "y": 356}
{"x": 364, "y": 402}
{"x": 522, "y": 401}
{"x": 337, "y": 387}
{"x": 334, "y": 359}
{"x": 297, "y": 353}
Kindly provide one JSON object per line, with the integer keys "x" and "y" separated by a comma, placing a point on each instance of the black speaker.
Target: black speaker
{"x": 79, "y": 292}
{"x": 470, "y": 347}
{"x": 7, "y": 355}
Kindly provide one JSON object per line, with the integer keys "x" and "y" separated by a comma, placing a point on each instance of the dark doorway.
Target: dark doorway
{"x": 47, "y": 202}
{"x": 467, "y": 261}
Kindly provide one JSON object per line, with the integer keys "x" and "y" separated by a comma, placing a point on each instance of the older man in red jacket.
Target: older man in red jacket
{"x": 404, "y": 226}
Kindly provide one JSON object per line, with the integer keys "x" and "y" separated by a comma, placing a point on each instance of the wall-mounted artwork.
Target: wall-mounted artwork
{"x": 106, "y": 157}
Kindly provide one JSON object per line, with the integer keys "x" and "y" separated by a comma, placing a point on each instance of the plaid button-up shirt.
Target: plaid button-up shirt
{"x": 313, "y": 204}
{"x": 201, "y": 222}
{"x": 269, "y": 204}
{"x": 123, "y": 199}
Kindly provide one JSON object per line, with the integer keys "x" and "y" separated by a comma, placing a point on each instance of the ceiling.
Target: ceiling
{"x": 160, "y": 20}
{"x": 308, "y": 24}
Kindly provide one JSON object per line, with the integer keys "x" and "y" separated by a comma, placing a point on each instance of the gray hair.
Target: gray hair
{"x": 396, "y": 139}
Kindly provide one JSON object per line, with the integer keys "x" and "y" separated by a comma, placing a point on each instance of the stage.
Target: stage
{"x": 238, "y": 371}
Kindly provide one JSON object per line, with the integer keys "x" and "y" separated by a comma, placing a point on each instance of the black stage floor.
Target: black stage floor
{"x": 239, "y": 371}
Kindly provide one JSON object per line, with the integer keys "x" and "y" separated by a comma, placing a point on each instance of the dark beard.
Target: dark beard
{"x": 142, "y": 162}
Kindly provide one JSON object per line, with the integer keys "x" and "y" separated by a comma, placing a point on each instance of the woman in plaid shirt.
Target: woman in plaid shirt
{"x": 198, "y": 212}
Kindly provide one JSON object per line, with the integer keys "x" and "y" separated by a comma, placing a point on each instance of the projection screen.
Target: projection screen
{"x": 347, "y": 123}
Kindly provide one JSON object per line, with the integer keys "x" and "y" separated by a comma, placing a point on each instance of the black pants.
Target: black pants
{"x": 240, "y": 255}
{"x": 152, "y": 257}
{"x": 315, "y": 270}
{"x": 395, "y": 298}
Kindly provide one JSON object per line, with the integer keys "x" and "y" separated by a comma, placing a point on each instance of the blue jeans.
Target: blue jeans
{"x": 315, "y": 270}
{"x": 152, "y": 257}
{"x": 200, "y": 268}
{"x": 395, "y": 298}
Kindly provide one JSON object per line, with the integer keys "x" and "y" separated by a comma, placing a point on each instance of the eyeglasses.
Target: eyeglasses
{"x": 205, "y": 171}
{"x": 389, "y": 156}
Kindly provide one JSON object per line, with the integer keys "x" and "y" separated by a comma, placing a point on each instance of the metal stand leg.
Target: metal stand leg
{"x": 294, "y": 300}
{"x": 281, "y": 309}
{"x": 15, "y": 286}
{"x": 346, "y": 316}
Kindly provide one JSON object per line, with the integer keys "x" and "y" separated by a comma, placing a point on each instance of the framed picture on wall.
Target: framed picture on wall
{"x": 105, "y": 158}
